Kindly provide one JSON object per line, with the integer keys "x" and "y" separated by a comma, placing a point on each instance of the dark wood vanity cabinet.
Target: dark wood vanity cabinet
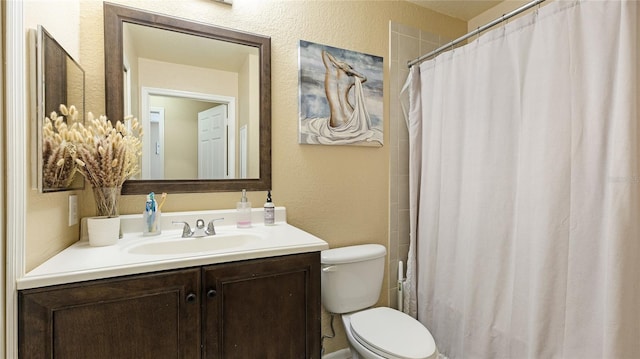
{"x": 270, "y": 309}
{"x": 262, "y": 308}
{"x": 142, "y": 316}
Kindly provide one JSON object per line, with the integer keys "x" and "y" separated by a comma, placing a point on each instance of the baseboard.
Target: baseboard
{"x": 340, "y": 354}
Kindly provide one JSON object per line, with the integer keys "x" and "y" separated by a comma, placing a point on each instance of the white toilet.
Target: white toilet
{"x": 351, "y": 282}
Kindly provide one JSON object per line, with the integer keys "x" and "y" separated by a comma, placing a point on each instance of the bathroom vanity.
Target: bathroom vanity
{"x": 260, "y": 298}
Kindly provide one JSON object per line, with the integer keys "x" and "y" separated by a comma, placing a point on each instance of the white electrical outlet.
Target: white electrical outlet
{"x": 73, "y": 210}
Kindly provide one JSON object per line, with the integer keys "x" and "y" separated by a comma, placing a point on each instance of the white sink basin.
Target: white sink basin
{"x": 195, "y": 245}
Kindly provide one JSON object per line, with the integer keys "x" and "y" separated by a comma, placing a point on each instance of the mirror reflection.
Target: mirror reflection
{"x": 197, "y": 99}
{"x": 203, "y": 95}
{"x": 59, "y": 80}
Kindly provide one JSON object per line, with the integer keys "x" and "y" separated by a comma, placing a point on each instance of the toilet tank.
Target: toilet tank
{"x": 352, "y": 277}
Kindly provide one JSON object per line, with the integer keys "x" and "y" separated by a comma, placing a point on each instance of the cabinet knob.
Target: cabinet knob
{"x": 211, "y": 293}
{"x": 191, "y": 297}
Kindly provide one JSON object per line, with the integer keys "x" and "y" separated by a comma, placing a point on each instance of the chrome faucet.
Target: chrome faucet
{"x": 200, "y": 230}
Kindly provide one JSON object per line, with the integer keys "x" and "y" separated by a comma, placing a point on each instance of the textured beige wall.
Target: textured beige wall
{"x": 47, "y": 223}
{"x": 497, "y": 11}
{"x": 339, "y": 193}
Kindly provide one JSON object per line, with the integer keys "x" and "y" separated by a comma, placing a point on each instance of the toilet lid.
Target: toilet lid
{"x": 392, "y": 334}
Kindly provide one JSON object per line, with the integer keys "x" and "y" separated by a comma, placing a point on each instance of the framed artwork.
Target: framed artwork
{"x": 340, "y": 96}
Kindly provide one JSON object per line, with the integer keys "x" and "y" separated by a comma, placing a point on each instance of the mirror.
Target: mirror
{"x": 59, "y": 80}
{"x": 202, "y": 94}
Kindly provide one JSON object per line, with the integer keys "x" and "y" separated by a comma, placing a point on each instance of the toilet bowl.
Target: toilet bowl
{"x": 351, "y": 282}
{"x": 385, "y": 333}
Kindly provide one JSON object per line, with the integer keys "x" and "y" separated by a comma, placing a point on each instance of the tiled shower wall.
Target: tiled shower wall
{"x": 405, "y": 44}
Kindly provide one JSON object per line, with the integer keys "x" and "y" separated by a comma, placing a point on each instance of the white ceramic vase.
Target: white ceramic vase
{"x": 103, "y": 231}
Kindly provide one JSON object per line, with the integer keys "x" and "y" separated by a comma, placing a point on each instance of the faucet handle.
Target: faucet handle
{"x": 199, "y": 231}
{"x": 210, "y": 228}
{"x": 186, "y": 230}
{"x": 200, "y": 224}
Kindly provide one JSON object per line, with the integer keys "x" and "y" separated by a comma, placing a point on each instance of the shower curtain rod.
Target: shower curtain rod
{"x": 477, "y": 31}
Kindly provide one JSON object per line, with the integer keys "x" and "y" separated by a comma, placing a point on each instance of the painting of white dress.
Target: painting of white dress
{"x": 340, "y": 96}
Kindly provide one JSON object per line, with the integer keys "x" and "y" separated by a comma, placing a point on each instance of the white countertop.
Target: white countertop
{"x": 81, "y": 262}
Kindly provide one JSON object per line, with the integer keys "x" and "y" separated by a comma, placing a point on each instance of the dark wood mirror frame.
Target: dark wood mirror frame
{"x": 114, "y": 17}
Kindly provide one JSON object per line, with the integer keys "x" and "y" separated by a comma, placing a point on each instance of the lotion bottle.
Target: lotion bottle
{"x": 269, "y": 211}
{"x": 243, "y": 209}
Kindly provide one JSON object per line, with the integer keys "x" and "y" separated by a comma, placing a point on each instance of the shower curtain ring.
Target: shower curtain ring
{"x": 503, "y": 23}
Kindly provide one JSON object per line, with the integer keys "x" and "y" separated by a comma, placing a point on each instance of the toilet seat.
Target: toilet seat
{"x": 392, "y": 334}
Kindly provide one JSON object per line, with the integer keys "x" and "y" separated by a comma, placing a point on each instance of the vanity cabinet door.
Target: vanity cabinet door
{"x": 144, "y": 316}
{"x": 267, "y": 308}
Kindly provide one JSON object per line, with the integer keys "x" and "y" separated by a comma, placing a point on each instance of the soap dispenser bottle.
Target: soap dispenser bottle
{"x": 269, "y": 211}
{"x": 243, "y": 209}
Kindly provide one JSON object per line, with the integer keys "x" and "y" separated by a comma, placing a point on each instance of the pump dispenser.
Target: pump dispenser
{"x": 269, "y": 211}
{"x": 243, "y": 208}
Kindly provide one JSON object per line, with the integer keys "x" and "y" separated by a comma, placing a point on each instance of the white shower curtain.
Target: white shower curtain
{"x": 525, "y": 188}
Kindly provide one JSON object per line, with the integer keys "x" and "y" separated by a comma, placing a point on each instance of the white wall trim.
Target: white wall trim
{"x": 16, "y": 176}
{"x": 3, "y": 325}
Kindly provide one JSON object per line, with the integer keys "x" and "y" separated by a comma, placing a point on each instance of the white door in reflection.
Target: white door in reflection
{"x": 212, "y": 143}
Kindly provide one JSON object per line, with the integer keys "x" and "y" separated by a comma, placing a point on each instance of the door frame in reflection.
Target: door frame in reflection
{"x": 230, "y": 102}
{"x": 155, "y": 151}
